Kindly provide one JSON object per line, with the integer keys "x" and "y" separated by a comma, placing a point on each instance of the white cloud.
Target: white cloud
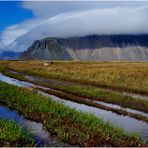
{"x": 11, "y": 33}
{"x": 116, "y": 20}
{"x": 52, "y": 8}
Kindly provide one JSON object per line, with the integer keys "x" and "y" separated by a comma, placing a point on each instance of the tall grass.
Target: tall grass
{"x": 124, "y": 75}
{"x": 3, "y": 65}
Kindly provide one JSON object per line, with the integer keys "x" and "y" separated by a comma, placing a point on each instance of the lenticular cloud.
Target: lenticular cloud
{"x": 120, "y": 20}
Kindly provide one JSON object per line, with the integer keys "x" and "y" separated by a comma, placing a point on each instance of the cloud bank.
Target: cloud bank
{"x": 75, "y": 22}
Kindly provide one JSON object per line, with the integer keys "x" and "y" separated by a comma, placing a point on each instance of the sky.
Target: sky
{"x": 23, "y": 22}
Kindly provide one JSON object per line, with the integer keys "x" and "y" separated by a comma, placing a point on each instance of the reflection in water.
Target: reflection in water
{"x": 41, "y": 136}
{"x": 123, "y": 108}
{"x": 14, "y": 81}
{"x": 36, "y": 129}
{"x": 35, "y": 78}
{"x": 125, "y": 122}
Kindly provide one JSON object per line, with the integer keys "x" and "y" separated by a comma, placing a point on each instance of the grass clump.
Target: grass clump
{"x": 12, "y": 135}
{"x": 69, "y": 125}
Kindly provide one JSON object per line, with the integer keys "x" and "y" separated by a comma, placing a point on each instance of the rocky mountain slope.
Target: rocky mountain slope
{"x": 94, "y": 47}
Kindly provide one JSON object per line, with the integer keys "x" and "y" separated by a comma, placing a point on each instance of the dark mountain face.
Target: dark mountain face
{"x": 48, "y": 49}
{"x": 9, "y": 55}
{"x": 96, "y": 41}
{"x": 94, "y": 47}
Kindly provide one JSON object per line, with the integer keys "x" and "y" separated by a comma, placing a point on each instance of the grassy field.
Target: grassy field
{"x": 92, "y": 93}
{"x": 89, "y": 79}
{"x": 128, "y": 76}
{"x": 3, "y": 65}
{"x": 85, "y": 95}
{"x": 12, "y": 135}
{"x": 68, "y": 124}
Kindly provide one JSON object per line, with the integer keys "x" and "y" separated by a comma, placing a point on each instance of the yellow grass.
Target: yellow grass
{"x": 130, "y": 75}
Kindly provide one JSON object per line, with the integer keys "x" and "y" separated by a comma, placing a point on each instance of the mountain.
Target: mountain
{"x": 93, "y": 47}
{"x": 9, "y": 55}
{"x": 50, "y": 49}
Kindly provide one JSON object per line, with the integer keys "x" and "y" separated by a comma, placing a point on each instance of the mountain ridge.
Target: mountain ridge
{"x": 93, "y": 47}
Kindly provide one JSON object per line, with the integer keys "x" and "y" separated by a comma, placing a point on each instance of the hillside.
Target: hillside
{"x": 93, "y": 48}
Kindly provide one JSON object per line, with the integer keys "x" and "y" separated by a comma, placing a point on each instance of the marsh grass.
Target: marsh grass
{"x": 3, "y": 65}
{"x": 92, "y": 93}
{"x": 12, "y": 134}
{"x": 69, "y": 125}
{"x": 87, "y": 99}
{"x": 129, "y": 76}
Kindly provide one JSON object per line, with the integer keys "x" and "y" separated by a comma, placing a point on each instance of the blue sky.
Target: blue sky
{"x": 12, "y": 13}
{"x": 26, "y": 21}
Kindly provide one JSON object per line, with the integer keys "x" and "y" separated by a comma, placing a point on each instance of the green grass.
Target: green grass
{"x": 12, "y": 135}
{"x": 79, "y": 93}
{"x": 68, "y": 124}
{"x": 104, "y": 95}
{"x": 13, "y": 75}
{"x": 94, "y": 93}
